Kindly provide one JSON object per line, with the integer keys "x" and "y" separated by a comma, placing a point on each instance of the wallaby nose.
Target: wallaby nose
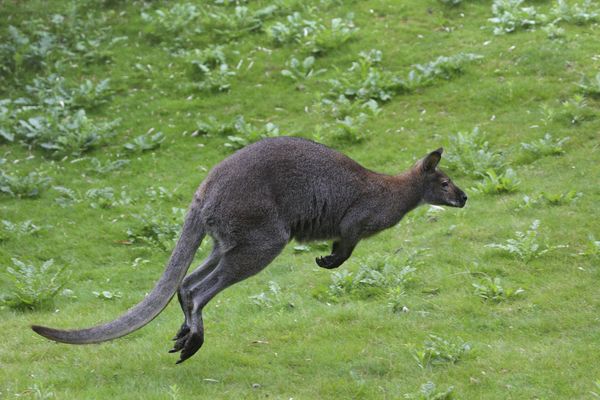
{"x": 464, "y": 199}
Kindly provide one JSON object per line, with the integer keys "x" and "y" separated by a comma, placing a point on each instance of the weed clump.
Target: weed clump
{"x": 470, "y": 153}
{"x": 155, "y": 229}
{"x": 437, "y": 351}
{"x": 381, "y": 276}
{"x": 546, "y": 146}
{"x": 525, "y": 246}
{"x": 24, "y": 186}
{"x": 32, "y": 287}
{"x": 492, "y": 289}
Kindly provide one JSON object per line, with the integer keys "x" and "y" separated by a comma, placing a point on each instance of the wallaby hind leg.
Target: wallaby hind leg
{"x": 207, "y": 266}
{"x": 234, "y": 266}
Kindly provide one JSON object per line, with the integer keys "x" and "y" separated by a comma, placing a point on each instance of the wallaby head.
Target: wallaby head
{"x": 438, "y": 188}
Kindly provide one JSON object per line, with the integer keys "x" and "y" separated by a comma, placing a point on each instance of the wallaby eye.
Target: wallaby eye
{"x": 445, "y": 184}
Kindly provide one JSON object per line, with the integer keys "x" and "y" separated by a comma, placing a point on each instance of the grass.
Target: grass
{"x": 156, "y": 68}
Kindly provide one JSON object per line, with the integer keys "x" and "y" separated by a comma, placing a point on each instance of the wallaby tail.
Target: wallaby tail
{"x": 145, "y": 311}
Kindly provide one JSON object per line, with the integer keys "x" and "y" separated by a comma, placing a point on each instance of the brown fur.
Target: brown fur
{"x": 257, "y": 200}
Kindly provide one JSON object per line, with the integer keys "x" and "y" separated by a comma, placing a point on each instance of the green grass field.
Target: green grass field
{"x": 425, "y": 310}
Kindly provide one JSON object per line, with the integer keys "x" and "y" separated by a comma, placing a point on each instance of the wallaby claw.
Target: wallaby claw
{"x": 328, "y": 262}
{"x": 182, "y": 332}
{"x": 193, "y": 341}
{"x": 179, "y": 344}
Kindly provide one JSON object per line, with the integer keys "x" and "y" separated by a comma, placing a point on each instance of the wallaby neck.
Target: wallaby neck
{"x": 408, "y": 189}
{"x": 396, "y": 195}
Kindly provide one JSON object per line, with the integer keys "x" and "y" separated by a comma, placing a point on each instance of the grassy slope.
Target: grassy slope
{"x": 543, "y": 345}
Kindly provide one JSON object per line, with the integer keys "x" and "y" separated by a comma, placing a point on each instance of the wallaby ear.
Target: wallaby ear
{"x": 431, "y": 161}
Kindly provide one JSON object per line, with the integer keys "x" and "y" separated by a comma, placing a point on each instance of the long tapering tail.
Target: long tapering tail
{"x": 145, "y": 311}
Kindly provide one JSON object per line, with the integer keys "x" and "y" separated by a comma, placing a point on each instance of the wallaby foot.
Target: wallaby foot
{"x": 183, "y": 296}
{"x": 193, "y": 341}
{"x": 340, "y": 252}
{"x": 234, "y": 265}
{"x": 182, "y": 332}
{"x": 189, "y": 340}
{"x": 329, "y": 262}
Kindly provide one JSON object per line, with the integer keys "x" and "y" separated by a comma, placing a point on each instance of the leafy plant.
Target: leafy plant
{"x": 445, "y": 67}
{"x": 273, "y": 298}
{"x": 66, "y": 197}
{"x": 294, "y": 29}
{"x": 95, "y": 197}
{"x": 313, "y": 35}
{"x": 574, "y": 111}
{"x": 146, "y": 142}
{"x": 52, "y": 91}
{"x": 437, "y": 350}
{"x": 212, "y": 126}
{"x": 552, "y": 199}
{"x": 241, "y": 21}
{"x": 470, "y": 154}
{"x": 106, "y": 198}
{"x": 301, "y": 70}
{"x": 25, "y": 228}
{"x": 509, "y": 16}
{"x": 497, "y": 183}
{"x": 108, "y": 166}
{"x": 179, "y": 21}
{"x": 556, "y": 199}
{"x": 580, "y": 14}
{"x": 429, "y": 391}
{"x": 525, "y": 246}
{"x": 63, "y": 133}
{"x": 89, "y": 95}
{"x": 32, "y": 287}
{"x": 107, "y": 295}
{"x": 546, "y": 146}
{"x": 40, "y": 46}
{"x": 156, "y": 229}
{"x": 554, "y": 31}
{"x": 30, "y": 52}
{"x": 592, "y": 248}
{"x": 206, "y": 59}
{"x": 215, "y": 80}
{"x": 375, "y": 276}
{"x": 351, "y": 129}
{"x": 590, "y": 86}
{"x": 396, "y": 300}
{"x": 333, "y": 35}
{"x": 247, "y": 133}
{"x": 365, "y": 80}
{"x": 342, "y": 107}
{"x": 159, "y": 193}
{"x": 491, "y": 289}
{"x": 30, "y": 185}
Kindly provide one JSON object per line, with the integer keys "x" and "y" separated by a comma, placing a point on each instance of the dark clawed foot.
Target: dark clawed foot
{"x": 182, "y": 332}
{"x": 187, "y": 341}
{"x": 192, "y": 344}
{"x": 328, "y": 262}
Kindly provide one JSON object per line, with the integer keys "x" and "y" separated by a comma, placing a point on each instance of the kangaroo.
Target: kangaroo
{"x": 252, "y": 204}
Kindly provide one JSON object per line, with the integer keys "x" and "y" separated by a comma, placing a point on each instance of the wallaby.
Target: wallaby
{"x": 257, "y": 200}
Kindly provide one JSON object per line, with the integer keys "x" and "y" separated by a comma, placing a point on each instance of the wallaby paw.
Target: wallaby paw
{"x": 328, "y": 262}
{"x": 188, "y": 345}
{"x": 182, "y": 332}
